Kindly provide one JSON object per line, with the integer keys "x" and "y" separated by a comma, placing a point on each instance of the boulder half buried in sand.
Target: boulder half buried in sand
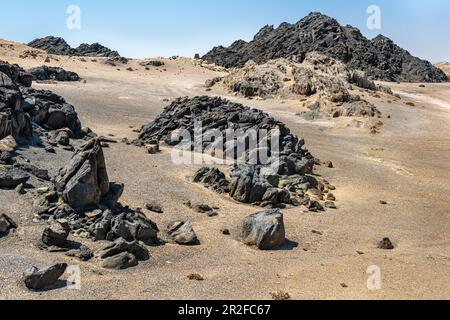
{"x": 264, "y": 229}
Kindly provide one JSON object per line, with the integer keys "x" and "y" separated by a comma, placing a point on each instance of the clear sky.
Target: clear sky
{"x": 148, "y": 28}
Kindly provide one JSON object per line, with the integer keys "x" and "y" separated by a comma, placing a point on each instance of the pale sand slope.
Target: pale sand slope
{"x": 407, "y": 165}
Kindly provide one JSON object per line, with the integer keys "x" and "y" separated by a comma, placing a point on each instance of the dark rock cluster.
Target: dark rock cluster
{"x": 380, "y": 58}
{"x": 53, "y": 73}
{"x": 85, "y": 197}
{"x": 59, "y": 46}
{"x": 285, "y": 180}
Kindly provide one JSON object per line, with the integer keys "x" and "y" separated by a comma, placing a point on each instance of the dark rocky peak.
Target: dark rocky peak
{"x": 59, "y": 46}
{"x": 264, "y": 32}
{"x": 52, "y": 45}
{"x": 380, "y": 59}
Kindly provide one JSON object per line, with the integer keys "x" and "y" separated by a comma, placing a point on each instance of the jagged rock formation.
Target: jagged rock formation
{"x": 325, "y": 81}
{"x": 25, "y": 111}
{"x": 59, "y": 46}
{"x": 283, "y": 178}
{"x": 85, "y": 180}
{"x": 380, "y": 58}
{"x": 84, "y": 197}
{"x": 52, "y": 73}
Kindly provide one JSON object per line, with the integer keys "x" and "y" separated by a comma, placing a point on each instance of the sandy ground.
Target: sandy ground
{"x": 407, "y": 165}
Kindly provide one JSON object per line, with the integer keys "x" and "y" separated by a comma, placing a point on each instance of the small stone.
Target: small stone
{"x": 329, "y": 164}
{"x": 120, "y": 261}
{"x": 344, "y": 285}
{"x": 153, "y": 149}
{"x": 386, "y": 244}
{"x": 225, "y": 232}
{"x": 383, "y": 202}
{"x": 196, "y": 277}
{"x": 330, "y": 205}
{"x": 280, "y": 295}
{"x": 182, "y": 232}
{"x": 154, "y": 207}
{"x": 20, "y": 189}
{"x": 331, "y": 197}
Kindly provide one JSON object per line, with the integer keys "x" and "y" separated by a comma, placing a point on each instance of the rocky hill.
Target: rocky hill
{"x": 59, "y": 46}
{"x": 444, "y": 66}
{"x": 380, "y": 58}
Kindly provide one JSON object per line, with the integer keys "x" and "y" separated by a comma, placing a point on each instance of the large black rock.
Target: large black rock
{"x": 380, "y": 58}
{"x": 52, "y": 73}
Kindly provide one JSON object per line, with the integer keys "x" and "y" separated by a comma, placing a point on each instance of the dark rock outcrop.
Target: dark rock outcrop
{"x": 25, "y": 111}
{"x": 59, "y": 46}
{"x": 52, "y": 73}
{"x": 283, "y": 178}
{"x": 380, "y": 58}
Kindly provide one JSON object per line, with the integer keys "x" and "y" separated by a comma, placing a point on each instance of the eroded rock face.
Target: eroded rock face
{"x": 321, "y": 80}
{"x": 379, "y": 58}
{"x": 264, "y": 230}
{"x": 84, "y": 181}
{"x": 52, "y": 73}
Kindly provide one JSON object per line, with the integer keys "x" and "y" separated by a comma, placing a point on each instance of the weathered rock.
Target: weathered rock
{"x": 84, "y": 181}
{"x": 154, "y": 207}
{"x": 56, "y": 235}
{"x": 120, "y": 261}
{"x": 8, "y": 144}
{"x": 212, "y": 178}
{"x": 52, "y": 73}
{"x": 83, "y": 253}
{"x": 264, "y": 230}
{"x": 6, "y": 224}
{"x": 136, "y": 248}
{"x": 182, "y": 232}
{"x": 318, "y": 77}
{"x": 253, "y": 180}
{"x": 11, "y": 177}
{"x": 36, "y": 279}
{"x": 379, "y": 58}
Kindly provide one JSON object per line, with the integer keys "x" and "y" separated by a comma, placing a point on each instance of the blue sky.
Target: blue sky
{"x": 147, "y": 28}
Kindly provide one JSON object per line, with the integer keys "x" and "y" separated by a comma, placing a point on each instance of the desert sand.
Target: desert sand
{"x": 407, "y": 165}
